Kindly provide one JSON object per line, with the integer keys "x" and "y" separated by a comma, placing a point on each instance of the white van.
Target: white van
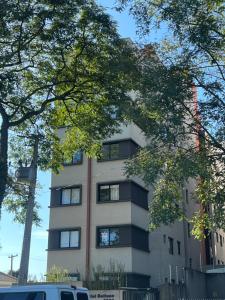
{"x": 44, "y": 292}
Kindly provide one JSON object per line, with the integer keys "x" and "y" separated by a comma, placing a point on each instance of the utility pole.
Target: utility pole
{"x": 11, "y": 257}
{"x": 24, "y": 262}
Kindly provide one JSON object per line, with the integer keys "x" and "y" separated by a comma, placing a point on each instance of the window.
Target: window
{"x": 76, "y": 159}
{"x": 178, "y": 248}
{"x": 217, "y": 237}
{"x": 189, "y": 230}
{"x": 67, "y": 296}
{"x": 186, "y": 196}
{"x": 221, "y": 241}
{"x": 82, "y": 296}
{"x": 190, "y": 263}
{"x": 164, "y": 238}
{"x": 71, "y": 196}
{"x": 70, "y": 239}
{"x": 108, "y": 237}
{"x": 125, "y": 235}
{"x": 122, "y": 149}
{"x": 23, "y": 296}
{"x": 170, "y": 245}
{"x": 108, "y": 192}
{"x": 110, "y": 151}
{"x": 218, "y": 262}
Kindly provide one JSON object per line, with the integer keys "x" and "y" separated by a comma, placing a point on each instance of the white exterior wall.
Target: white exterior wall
{"x": 155, "y": 263}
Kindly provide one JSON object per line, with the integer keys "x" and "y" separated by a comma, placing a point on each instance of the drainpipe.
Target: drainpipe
{"x": 88, "y": 220}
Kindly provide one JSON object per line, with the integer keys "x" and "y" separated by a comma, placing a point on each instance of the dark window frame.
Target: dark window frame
{"x": 178, "y": 247}
{"x": 144, "y": 203}
{"x": 110, "y": 151}
{"x": 109, "y": 228}
{"x": 71, "y": 188}
{"x": 130, "y": 237}
{"x": 189, "y": 230}
{"x": 171, "y": 245}
{"x": 221, "y": 241}
{"x": 190, "y": 262}
{"x": 99, "y": 185}
{"x": 187, "y": 195}
{"x": 71, "y": 163}
{"x": 70, "y": 230}
{"x": 120, "y": 157}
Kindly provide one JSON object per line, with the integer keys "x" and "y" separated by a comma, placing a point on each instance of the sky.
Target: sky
{"x": 11, "y": 233}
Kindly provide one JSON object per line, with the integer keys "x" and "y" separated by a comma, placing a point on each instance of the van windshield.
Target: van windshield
{"x": 23, "y": 296}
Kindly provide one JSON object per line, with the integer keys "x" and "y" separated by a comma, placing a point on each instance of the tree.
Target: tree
{"x": 111, "y": 278}
{"x": 62, "y": 64}
{"x": 191, "y": 57}
{"x": 57, "y": 274}
{"x": 14, "y": 273}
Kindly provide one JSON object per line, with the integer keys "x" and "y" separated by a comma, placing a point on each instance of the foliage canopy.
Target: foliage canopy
{"x": 62, "y": 64}
{"x": 190, "y": 57}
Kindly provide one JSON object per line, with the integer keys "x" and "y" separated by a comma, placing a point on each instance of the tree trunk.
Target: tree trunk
{"x": 4, "y": 134}
{"x": 24, "y": 262}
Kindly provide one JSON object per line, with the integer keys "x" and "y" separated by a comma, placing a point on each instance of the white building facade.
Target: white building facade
{"x": 98, "y": 216}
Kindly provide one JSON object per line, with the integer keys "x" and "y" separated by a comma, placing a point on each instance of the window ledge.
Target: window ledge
{"x": 146, "y": 208}
{"x": 62, "y": 249}
{"x": 112, "y": 201}
{"x": 113, "y": 246}
{"x": 112, "y": 159}
{"x": 122, "y": 246}
{"x": 64, "y": 205}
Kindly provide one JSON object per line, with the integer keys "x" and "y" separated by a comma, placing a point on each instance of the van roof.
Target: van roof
{"x": 40, "y": 287}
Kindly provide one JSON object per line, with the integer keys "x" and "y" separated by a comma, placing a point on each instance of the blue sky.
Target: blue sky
{"x": 12, "y": 233}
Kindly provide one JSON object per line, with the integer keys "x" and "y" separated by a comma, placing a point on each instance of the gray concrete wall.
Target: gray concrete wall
{"x": 197, "y": 286}
{"x": 195, "y": 283}
{"x": 215, "y": 284}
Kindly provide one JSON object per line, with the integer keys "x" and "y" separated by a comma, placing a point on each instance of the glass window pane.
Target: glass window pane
{"x": 114, "y": 236}
{"x": 74, "y": 238}
{"x": 104, "y": 193}
{"x": 66, "y": 196}
{"x": 67, "y": 296}
{"x": 114, "y": 192}
{"x": 77, "y": 157}
{"x": 104, "y": 237}
{"x": 22, "y": 296}
{"x": 64, "y": 239}
{"x": 114, "y": 151}
{"x": 75, "y": 198}
{"x": 82, "y": 296}
{"x": 105, "y": 152}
